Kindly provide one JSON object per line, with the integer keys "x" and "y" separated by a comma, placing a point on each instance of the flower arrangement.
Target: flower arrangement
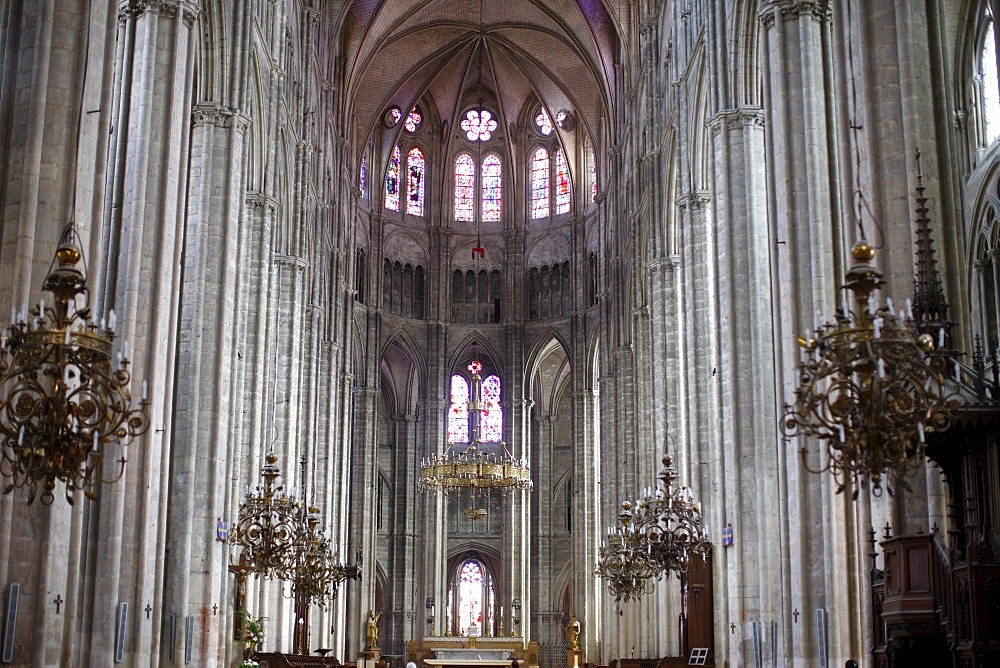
{"x": 253, "y": 629}
{"x": 249, "y": 663}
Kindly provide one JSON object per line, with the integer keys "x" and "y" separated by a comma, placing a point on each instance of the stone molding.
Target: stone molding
{"x": 219, "y": 116}
{"x": 133, "y": 9}
{"x": 292, "y": 261}
{"x": 788, "y": 10}
{"x": 694, "y": 201}
{"x": 670, "y": 263}
{"x": 737, "y": 118}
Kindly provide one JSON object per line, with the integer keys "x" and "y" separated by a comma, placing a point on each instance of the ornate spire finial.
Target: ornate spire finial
{"x": 930, "y": 305}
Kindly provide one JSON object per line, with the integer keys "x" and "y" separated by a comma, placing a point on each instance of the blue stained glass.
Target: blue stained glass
{"x": 492, "y": 188}
{"x": 415, "y": 182}
{"x": 362, "y": 172}
{"x": 470, "y": 597}
{"x": 392, "y": 182}
{"x": 540, "y": 183}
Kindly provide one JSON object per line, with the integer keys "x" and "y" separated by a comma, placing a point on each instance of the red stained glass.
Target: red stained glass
{"x": 465, "y": 186}
{"x": 415, "y": 182}
{"x": 492, "y": 188}
{"x": 540, "y": 183}
{"x": 562, "y": 183}
{"x": 458, "y": 413}
{"x": 392, "y": 182}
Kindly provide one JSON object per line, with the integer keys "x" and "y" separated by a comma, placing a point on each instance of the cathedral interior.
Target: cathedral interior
{"x": 569, "y": 332}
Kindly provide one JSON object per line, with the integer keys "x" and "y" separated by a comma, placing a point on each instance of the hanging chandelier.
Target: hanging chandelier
{"x": 64, "y": 402}
{"x": 670, "y": 522}
{"x": 869, "y": 389}
{"x": 269, "y": 525}
{"x": 659, "y": 537}
{"x": 478, "y": 465}
{"x": 314, "y": 569}
{"x": 623, "y": 560}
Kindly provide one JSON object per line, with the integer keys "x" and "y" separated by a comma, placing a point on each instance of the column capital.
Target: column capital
{"x": 788, "y": 10}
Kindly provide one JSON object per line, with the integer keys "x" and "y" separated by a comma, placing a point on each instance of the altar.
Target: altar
{"x": 462, "y": 652}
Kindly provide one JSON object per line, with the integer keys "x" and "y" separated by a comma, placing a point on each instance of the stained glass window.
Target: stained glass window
{"x": 392, "y": 117}
{"x": 543, "y": 122}
{"x": 991, "y": 101}
{"x": 413, "y": 120}
{"x": 362, "y": 172}
{"x": 562, "y": 183}
{"x": 540, "y": 183}
{"x": 492, "y": 187}
{"x": 492, "y": 424}
{"x": 465, "y": 187}
{"x": 561, "y": 117}
{"x": 593, "y": 173}
{"x": 458, "y": 414}
{"x": 392, "y": 182}
{"x": 478, "y": 124}
{"x": 470, "y": 597}
{"x": 415, "y": 182}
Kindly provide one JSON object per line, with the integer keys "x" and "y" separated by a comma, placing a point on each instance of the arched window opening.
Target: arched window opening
{"x": 475, "y": 597}
{"x": 465, "y": 182}
{"x": 990, "y": 85}
{"x": 592, "y": 164}
{"x": 540, "y": 183}
{"x": 492, "y": 425}
{"x": 458, "y": 413}
{"x": 492, "y": 188}
{"x": 415, "y": 182}
{"x": 392, "y": 182}
{"x": 362, "y": 172}
{"x": 413, "y": 120}
{"x": 562, "y": 183}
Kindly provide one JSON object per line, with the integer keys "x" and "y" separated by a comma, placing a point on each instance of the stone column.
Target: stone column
{"x": 805, "y": 226}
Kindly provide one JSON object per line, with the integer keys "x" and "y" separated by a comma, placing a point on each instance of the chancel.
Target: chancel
{"x": 473, "y": 334}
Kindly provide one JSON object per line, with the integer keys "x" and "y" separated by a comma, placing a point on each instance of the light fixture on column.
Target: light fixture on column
{"x": 64, "y": 401}
{"x": 269, "y": 524}
{"x": 670, "y": 522}
{"x": 661, "y": 535}
{"x": 868, "y": 389}
{"x": 314, "y": 569}
{"x": 477, "y": 465}
{"x": 622, "y": 559}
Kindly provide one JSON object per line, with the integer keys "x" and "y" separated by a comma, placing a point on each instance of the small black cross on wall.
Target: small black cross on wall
{"x": 795, "y": 614}
{"x": 58, "y": 601}
{"x": 149, "y": 609}
{"x": 732, "y": 628}
{"x": 215, "y": 609}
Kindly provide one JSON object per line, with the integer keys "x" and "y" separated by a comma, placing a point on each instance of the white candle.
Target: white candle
{"x": 888, "y": 305}
{"x": 145, "y": 390}
{"x": 96, "y": 438}
{"x": 958, "y": 373}
{"x": 13, "y": 315}
{"x": 877, "y": 323}
{"x": 909, "y": 309}
{"x": 125, "y": 348}
{"x": 102, "y": 324}
{"x": 840, "y": 428}
{"x": 20, "y": 436}
{"x": 125, "y": 453}
{"x": 941, "y": 338}
{"x": 41, "y": 307}
{"x": 881, "y": 369}
{"x": 111, "y": 320}
{"x": 920, "y": 431}
{"x": 66, "y": 342}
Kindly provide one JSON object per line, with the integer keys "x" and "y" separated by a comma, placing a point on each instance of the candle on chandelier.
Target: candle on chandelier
{"x": 66, "y": 342}
{"x": 840, "y": 429}
{"x": 877, "y": 324}
{"x": 20, "y": 436}
{"x": 920, "y": 431}
{"x": 145, "y": 390}
{"x": 111, "y": 320}
{"x": 881, "y": 369}
{"x": 888, "y": 305}
{"x": 941, "y": 338}
{"x": 96, "y": 437}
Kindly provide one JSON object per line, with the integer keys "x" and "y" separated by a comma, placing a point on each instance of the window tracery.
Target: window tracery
{"x": 492, "y": 424}
{"x": 478, "y": 125}
{"x": 543, "y": 123}
{"x": 413, "y": 120}
{"x": 458, "y": 413}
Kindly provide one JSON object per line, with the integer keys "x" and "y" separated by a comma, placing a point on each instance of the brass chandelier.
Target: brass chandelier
{"x": 268, "y": 525}
{"x": 478, "y": 465}
{"x": 64, "y": 402}
{"x": 869, "y": 387}
{"x": 661, "y": 536}
{"x": 315, "y": 571}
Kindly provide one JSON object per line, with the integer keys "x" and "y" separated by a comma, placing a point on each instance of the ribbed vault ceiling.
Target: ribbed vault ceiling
{"x": 448, "y": 53}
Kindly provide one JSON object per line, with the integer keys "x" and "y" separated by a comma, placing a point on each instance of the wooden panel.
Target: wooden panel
{"x": 917, "y": 571}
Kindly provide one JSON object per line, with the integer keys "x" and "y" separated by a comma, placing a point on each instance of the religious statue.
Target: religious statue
{"x": 573, "y": 632}
{"x": 373, "y": 629}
